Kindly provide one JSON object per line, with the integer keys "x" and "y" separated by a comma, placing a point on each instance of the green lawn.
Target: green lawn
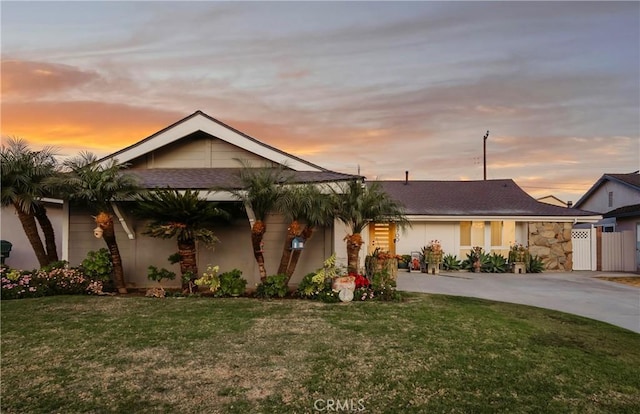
{"x": 428, "y": 354}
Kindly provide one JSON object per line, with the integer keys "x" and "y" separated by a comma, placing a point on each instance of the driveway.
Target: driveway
{"x": 575, "y": 292}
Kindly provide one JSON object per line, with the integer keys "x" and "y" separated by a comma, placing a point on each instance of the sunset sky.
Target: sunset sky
{"x": 381, "y": 86}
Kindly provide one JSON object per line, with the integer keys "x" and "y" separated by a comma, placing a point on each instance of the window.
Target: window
{"x": 610, "y": 198}
{"x": 496, "y": 233}
{"x": 472, "y": 233}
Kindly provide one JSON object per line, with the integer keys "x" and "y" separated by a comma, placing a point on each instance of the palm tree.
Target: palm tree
{"x": 183, "y": 216}
{"x": 24, "y": 174}
{"x": 98, "y": 185}
{"x": 260, "y": 189}
{"x": 306, "y": 203}
{"x": 357, "y": 205}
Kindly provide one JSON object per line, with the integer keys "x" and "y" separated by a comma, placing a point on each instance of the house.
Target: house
{"x": 200, "y": 152}
{"x": 554, "y": 201}
{"x": 617, "y": 197}
{"x": 493, "y": 214}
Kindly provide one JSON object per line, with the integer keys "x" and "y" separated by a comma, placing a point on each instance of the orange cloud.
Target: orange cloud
{"x": 94, "y": 126}
{"x": 22, "y": 79}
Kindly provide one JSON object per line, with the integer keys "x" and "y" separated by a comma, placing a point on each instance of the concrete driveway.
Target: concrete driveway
{"x": 577, "y": 292}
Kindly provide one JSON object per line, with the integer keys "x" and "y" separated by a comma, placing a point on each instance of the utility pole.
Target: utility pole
{"x": 484, "y": 150}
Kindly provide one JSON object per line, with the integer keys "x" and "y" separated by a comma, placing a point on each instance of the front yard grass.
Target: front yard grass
{"x": 77, "y": 354}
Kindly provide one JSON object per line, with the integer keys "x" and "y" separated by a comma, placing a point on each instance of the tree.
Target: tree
{"x": 98, "y": 185}
{"x": 183, "y": 216}
{"x": 24, "y": 175}
{"x": 259, "y": 190}
{"x": 357, "y": 205}
{"x": 306, "y": 203}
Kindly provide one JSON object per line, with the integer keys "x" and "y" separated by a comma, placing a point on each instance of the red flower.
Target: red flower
{"x": 361, "y": 281}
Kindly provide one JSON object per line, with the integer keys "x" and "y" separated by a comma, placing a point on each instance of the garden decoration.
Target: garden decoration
{"x": 414, "y": 263}
{"x": 518, "y": 258}
{"x": 433, "y": 256}
{"x": 379, "y": 261}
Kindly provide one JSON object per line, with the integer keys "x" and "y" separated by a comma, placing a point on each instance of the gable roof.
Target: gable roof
{"x": 631, "y": 180}
{"x": 487, "y": 198}
{"x": 199, "y": 121}
{"x": 551, "y": 199}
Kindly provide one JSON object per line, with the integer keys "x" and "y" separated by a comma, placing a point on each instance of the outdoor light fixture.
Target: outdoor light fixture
{"x": 297, "y": 243}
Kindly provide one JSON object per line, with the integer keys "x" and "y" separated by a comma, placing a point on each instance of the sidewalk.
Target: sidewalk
{"x": 578, "y": 292}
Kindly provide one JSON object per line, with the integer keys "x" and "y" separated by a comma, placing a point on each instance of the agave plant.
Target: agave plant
{"x": 451, "y": 262}
{"x": 534, "y": 265}
{"x": 496, "y": 263}
{"x": 476, "y": 255}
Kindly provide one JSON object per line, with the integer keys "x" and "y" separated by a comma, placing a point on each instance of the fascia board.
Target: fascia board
{"x": 559, "y": 219}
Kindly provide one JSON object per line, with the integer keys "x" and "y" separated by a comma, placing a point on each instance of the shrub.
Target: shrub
{"x": 157, "y": 275}
{"x": 476, "y": 254}
{"x": 16, "y": 284}
{"x": 62, "y": 281}
{"x": 273, "y": 286}
{"x": 97, "y": 265}
{"x": 495, "y": 263}
{"x": 231, "y": 284}
{"x": 451, "y": 262}
{"x": 209, "y": 278}
{"x": 534, "y": 265}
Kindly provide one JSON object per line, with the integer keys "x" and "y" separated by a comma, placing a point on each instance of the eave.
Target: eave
{"x": 557, "y": 219}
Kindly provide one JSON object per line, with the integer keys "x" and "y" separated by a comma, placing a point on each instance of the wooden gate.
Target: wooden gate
{"x": 618, "y": 251}
{"x": 584, "y": 249}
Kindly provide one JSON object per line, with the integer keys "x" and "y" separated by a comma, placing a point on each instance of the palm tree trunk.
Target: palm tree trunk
{"x": 257, "y": 234}
{"x": 306, "y": 234}
{"x": 188, "y": 264}
{"x": 292, "y": 232}
{"x": 28, "y": 222}
{"x": 105, "y": 222}
{"x": 40, "y": 213}
{"x": 354, "y": 242}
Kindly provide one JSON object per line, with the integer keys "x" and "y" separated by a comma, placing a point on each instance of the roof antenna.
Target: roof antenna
{"x": 484, "y": 150}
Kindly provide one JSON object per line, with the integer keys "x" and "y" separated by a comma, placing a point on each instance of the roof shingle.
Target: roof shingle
{"x": 472, "y": 198}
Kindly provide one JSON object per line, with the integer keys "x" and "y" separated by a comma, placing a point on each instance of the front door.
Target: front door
{"x": 382, "y": 236}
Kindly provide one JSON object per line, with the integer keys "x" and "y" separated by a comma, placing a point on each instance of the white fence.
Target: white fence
{"x": 584, "y": 249}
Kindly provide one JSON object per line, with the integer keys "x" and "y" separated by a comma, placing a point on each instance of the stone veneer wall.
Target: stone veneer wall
{"x": 551, "y": 242}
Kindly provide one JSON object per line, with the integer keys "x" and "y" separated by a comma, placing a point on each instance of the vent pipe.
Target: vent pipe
{"x": 406, "y": 177}
{"x": 569, "y": 204}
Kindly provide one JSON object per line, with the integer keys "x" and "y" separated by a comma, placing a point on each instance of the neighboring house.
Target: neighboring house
{"x": 554, "y": 201}
{"x": 22, "y": 255}
{"x": 617, "y": 197}
{"x": 493, "y": 214}
{"x": 200, "y": 152}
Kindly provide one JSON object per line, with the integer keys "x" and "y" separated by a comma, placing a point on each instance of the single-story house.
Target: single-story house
{"x": 492, "y": 214}
{"x": 200, "y": 152}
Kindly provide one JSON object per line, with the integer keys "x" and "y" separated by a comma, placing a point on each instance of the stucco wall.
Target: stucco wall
{"x": 551, "y": 242}
{"x": 233, "y": 251}
{"x": 599, "y": 200}
{"x": 22, "y": 255}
